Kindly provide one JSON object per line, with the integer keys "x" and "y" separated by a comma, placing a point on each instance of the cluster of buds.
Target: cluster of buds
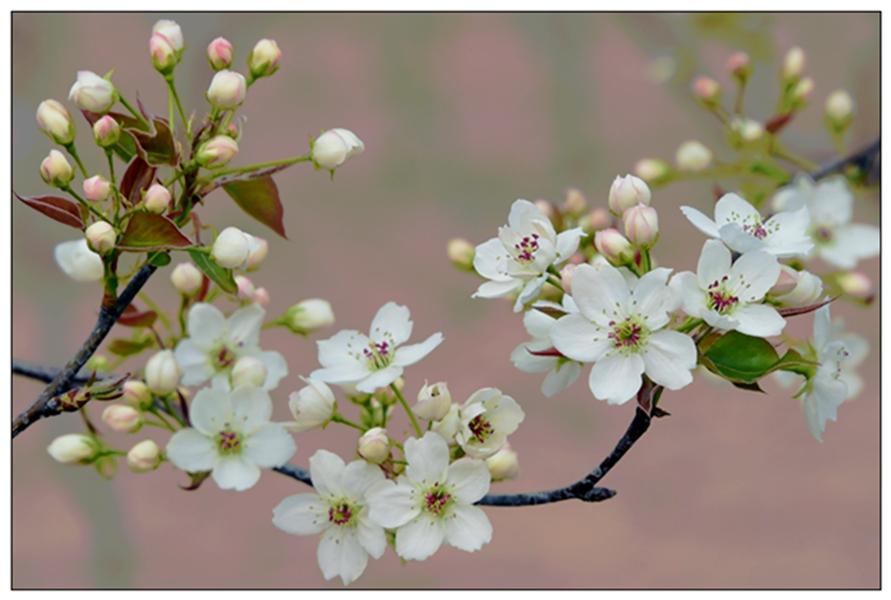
{"x": 629, "y": 200}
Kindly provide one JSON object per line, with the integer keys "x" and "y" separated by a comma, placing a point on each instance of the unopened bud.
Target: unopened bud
{"x": 98, "y": 363}
{"x": 614, "y": 246}
{"x": 92, "y": 93}
{"x": 231, "y": 248}
{"x": 739, "y": 65}
{"x": 748, "y": 130}
{"x": 164, "y": 55}
{"x": 73, "y": 448}
{"x": 504, "y": 464}
{"x": 707, "y": 90}
{"x": 693, "y": 156}
{"x": 53, "y": 120}
{"x": 626, "y": 192}
{"x": 245, "y": 287}
{"x": 170, "y": 30}
{"x": 641, "y": 225}
{"x": 793, "y": 64}
{"x": 219, "y": 54}
{"x": 309, "y": 315}
{"x": 855, "y": 284}
{"x": 259, "y": 249}
{"x": 56, "y": 170}
{"x": 136, "y": 394}
{"x": 144, "y": 457}
{"x": 96, "y": 188}
{"x": 433, "y": 401}
{"x": 652, "y": 170}
{"x": 794, "y": 289}
{"x": 803, "y": 90}
{"x": 227, "y": 90}
{"x": 106, "y": 132}
{"x": 217, "y": 151}
{"x": 595, "y": 220}
{"x": 101, "y": 236}
{"x": 261, "y": 296}
{"x": 461, "y": 253}
{"x": 162, "y": 372}
{"x": 575, "y": 203}
{"x": 312, "y": 406}
{"x": 839, "y": 108}
{"x": 566, "y": 274}
{"x": 248, "y": 370}
{"x": 157, "y": 199}
{"x": 374, "y": 445}
{"x": 186, "y": 278}
{"x": 334, "y": 146}
{"x": 264, "y": 58}
{"x": 122, "y": 418}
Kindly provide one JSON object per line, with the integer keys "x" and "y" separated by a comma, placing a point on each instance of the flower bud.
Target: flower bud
{"x": 652, "y": 170}
{"x": 707, "y": 90}
{"x": 803, "y": 90}
{"x": 575, "y": 203}
{"x": 227, "y": 90}
{"x": 144, "y": 457}
{"x": 264, "y": 58}
{"x": 333, "y": 147}
{"x": 217, "y": 151}
{"x": 433, "y": 402}
{"x": 92, "y": 93}
{"x": 245, "y": 287}
{"x": 855, "y": 284}
{"x": 219, "y": 53}
{"x": 793, "y": 64}
{"x": 693, "y": 156}
{"x": 312, "y": 406}
{"x": 186, "y": 278}
{"x": 461, "y": 253}
{"x": 448, "y": 426}
{"x": 106, "y": 132}
{"x": 231, "y": 248}
{"x": 73, "y": 448}
{"x": 259, "y": 249}
{"x": 122, "y": 418}
{"x": 641, "y": 225}
{"x": 261, "y": 296}
{"x": 374, "y": 445}
{"x": 99, "y": 363}
{"x": 595, "y": 220}
{"x": 101, "y": 236}
{"x": 796, "y": 288}
{"x": 156, "y": 199}
{"x": 248, "y": 370}
{"x": 309, "y": 315}
{"x": 79, "y": 262}
{"x": 164, "y": 55}
{"x": 748, "y": 130}
{"x": 566, "y": 274}
{"x": 170, "y": 30}
{"x": 162, "y": 372}
{"x": 613, "y": 246}
{"x": 53, "y": 120}
{"x": 56, "y": 170}
{"x": 839, "y": 108}
{"x": 504, "y": 464}
{"x": 626, "y": 192}
{"x": 136, "y": 394}
{"x": 739, "y": 65}
{"x": 97, "y": 188}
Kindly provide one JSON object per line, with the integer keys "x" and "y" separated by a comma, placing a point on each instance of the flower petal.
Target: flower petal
{"x": 579, "y": 339}
{"x": 490, "y": 260}
{"x": 301, "y": 514}
{"x": 759, "y": 320}
{"x": 601, "y": 294}
{"x": 753, "y": 274}
{"x": 469, "y": 479}
{"x": 392, "y": 323}
{"x": 652, "y": 299}
{"x": 235, "y": 473}
{"x": 714, "y": 263}
{"x": 568, "y": 243}
{"x": 244, "y": 325}
{"x": 210, "y": 410}
{"x": 341, "y": 554}
{"x": 191, "y": 451}
{"x": 428, "y": 458}
{"x": 561, "y": 377}
{"x": 379, "y": 379}
{"x": 669, "y": 358}
{"x": 206, "y": 325}
{"x": 251, "y": 408}
{"x": 420, "y": 538}
{"x": 392, "y": 504}
{"x": 468, "y": 528}
{"x": 342, "y": 348}
{"x": 270, "y": 446}
{"x": 527, "y": 362}
{"x": 326, "y": 472}
{"x": 616, "y": 378}
{"x": 194, "y": 362}
{"x": 276, "y": 368}
{"x": 732, "y": 208}
{"x": 371, "y": 536}
{"x": 409, "y": 355}
{"x": 701, "y": 222}
{"x": 345, "y": 373}
{"x": 358, "y": 476}
{"x": 497, "y": 289}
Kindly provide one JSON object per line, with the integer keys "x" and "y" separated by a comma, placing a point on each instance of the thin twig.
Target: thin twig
{"x": 863, "y": 158}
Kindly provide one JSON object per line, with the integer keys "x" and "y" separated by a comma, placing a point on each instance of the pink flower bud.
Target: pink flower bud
{"x": 217, "y": 151}
{"x": 803, "y": 90}
{"x": 546, "y": 208}
{"x": 144, "y": 457}
{"x": 264, "y": 58}
{"x": 156, "y": 199}
{"x": 641, "y": 225}
{"x": 613, "y": 246}
{"x": 739, "y": 65}
{"x": 230, "y": 249}
{"x": 693, "y": 156}
{"x": 219, "y": 53}
{"x": 707, "y": 89}
{"x": 101, "y": 237}
{"x": 170, "y": 30}
{"x": 136, "y": 394}
{"x": 106, "y": 132}
{"x": 227, "y": 90}
{"x": 53, "y": 120}
{"x": 374, "y": 445}
{"x": 259, "y": 249}
{"x": 122, "y": 418}
{"x": 261, "y": 296}
{"x": 595, "y": 220}
{"x": 92, "y": 93}
{"x": 575, "y": 203}
{"x": 55, "y": 169}
{"x": 186, "y": 278}
{"x": 164, "y": 55}
{"x": 97, "y": 188}
{"x": 626, "y": 192}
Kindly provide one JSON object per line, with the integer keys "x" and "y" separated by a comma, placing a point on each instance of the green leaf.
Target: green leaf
{"x": 219, "y": 275}
{"x": 740, "y": 358}
{"x": 159, "y": 259}
{"x": 157, "y": 148}
{"x": 56, "y": 208}
{"x": 794, "y": 362}
{"x": 124, "y": 347}
{"x": 258, "y": 197}
{"x": 148, "y": 231}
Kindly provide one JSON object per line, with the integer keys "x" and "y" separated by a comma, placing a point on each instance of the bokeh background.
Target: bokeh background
{"x": 461, "y": 114}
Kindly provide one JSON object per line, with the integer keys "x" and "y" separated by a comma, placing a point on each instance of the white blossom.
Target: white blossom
{"x": 826, "y": 390}
{"x": 79, "y": 262}
{"x": 561, "y": 372}
{"x": 486, "y": 419}
{"x": 312, "y": 406}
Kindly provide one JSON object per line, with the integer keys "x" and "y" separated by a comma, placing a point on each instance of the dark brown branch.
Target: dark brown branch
{"x": 864, "y": 159}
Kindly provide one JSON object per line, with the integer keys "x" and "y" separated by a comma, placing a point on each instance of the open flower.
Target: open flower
{"x": 620, "y": 329}
{"x": 518, "y": 259}
{"x": 830, "y": 203}
{"x": 376, "y": 360}
{"x": 729, "y": 296}
{"x": 215, "y": 343}
{"x": 432, "y": 502}
{"x": 739, "y": 225}
{"x": 486, "y": 419}
{"x": 231, "y": 436}
{"x": 561, "y": 372}
{"x": 825, "y": 391}
{"x": 339, "y": 512}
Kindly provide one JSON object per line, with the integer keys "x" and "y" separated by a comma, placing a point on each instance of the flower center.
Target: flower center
{"x": 437, "y": 499}
{"x": 526, "y": 248}
{"x": 229, "y": 442}
{"x": 378, "y": 354}
{"x": 719, "y": 298}
{"x": 480, "y": 428}
{"x": 627, "y": 335}
{"x": 224, "y": 358}
{"x": 823, "y": 235}
{"x": 341, "y": 513}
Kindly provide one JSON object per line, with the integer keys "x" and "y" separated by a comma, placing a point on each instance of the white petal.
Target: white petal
{"x": 79, "y": 262}
{"x": 525, "y": 218}
{"x": 339, "y": 374}
{"x": 652, "y": 299}
{"x": 341, "y": 554}
{"x": 686, "y": 286}
{"x": 529, "y": 292}
{"x": 568, "y": 243}
{"x": 601, "y": 294}
{"x": 270, "y": 446}
{"x": 739, "y": 240}
{"x": 392, "y": 323}
{"x": 276, "y": 368}
{"x": 191, "y": 451}
{"x": 669, "y": 357}
{"x": 358, "y": 476}
{"x": 379, "y": 379}
{"x": 409, "y": 355}
{"x": 469, "y": 479}
{"x": 497, "y": 289}
{"x": 507, "y": 415}
{"x": 831, "y": 202}
{"x": 301, "y": 514}
{"x": 420, "y": 538}
{"x": 468, "y": 528}
{"x": 753, "y": 274}
{"x": 822, "y": 326}
{"x": 326, "y": 472}
{"x": 701, "y": 222}
{"x": 790, "y": 237}
{"x": 194, "y": 362}
{"x": 392, "y": 504}
{"x": 251, "y": 408}
{"x": 560, "y": 378}
{"x": 210, "y": 410}
{"x": 731, "y": 208}
{"x": 371, "y": 536}
{"x": 538, "y": 324}
{"x": 530, "y": 363}
{"x": 342, "y": 348}
{"x": 714, "y": 263}
{"x": 490, "y": 260}
{"x": 427, "y": 458}
{"x": 576, "y": 337}
{"x": 206, "y": 325}
{"x": 616, "y": 378}
{"x": 235, "y": 473}
{"x": 759, "y": 320}
{"x": 244, "y": 325}
{"x": 860, "y": 240}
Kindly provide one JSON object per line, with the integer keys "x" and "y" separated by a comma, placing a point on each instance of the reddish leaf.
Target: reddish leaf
{"x": 545, "y": 352}
{"x": 148, "y": 231}
{"x": 156, "y": 147}
{"x": 58, "y": 209}
{"x": 133, "y": 317}
{"x": 138, "y": 177}
{"x": 258, "y": 197}
{"x": 778, "y": 122}
{"x": 803, "y": 310}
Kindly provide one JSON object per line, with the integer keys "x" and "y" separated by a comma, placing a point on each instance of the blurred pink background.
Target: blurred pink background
{"x": 461, "y": 114}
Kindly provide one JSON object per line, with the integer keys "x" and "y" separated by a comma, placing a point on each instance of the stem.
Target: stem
{"x": 801, "y": 162}
{"x": 171, "y": 86}
{"x": 344, "y": 421}
{"x": 116, "y": 195}
{"x": 408, "y": 411}
{"x": 96, "y": 212}
{"x": 293, "y": 160}
{"x": 72, "y": 150}
{"x": 136, "y": 114}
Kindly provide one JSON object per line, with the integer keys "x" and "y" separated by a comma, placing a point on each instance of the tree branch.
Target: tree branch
{"x": 865, "y": 159}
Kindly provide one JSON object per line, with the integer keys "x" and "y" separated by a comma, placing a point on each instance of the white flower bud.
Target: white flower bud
{"x": 652, "y": 170}
{"x": 566, "y": 274}
{"x": 434, "y": 402}
{"x": 641, "y": 225}
{"x": 231, "y": 248}
{"x": 73, "y": 448}
{"x": 227, "y": 90}
{"x": 693, "y": 156}
{"x": 839, "y": 108}
{"x": 56, "y": 170}
{"x": 614, "y": 246}
{"x": 259, "y": 249}
{"x": 626, "y": 192}
{"x": 122, "y": 418}
{"x": 312, "y": 406}
{"x": 374, "y": 445}
{"x": 101, "y": 236}
{"x": 156, "y": 199}
{"x": 803, "y": 90}
{"x": 92, "y": 93}
{"x": 54, "y": 120}
{"x": 796, "y": 288}
{"x": 97, "y": 188}
{"x": 136, "y": 394}
{"x": 856, "y": 284}
{"x": 309, "y": 315}
{"x": 461, "y": 253}
{"x": 162, "y": 372}
{"x": 217, "y": 151}
{"x": 172, "y": 31}
{"x": 79, "y": 262}
{"x": 106, "y": 132}
{"x": 707, "y": 89}
{"x": 186, "y": 278}
{"x": 248, "y": 370}
{"x": 164, "y": 55}
{"x": 748, "y": 130}
{"x": 144, "y": 457}
{"x": 504, "y": 464}
{"x": 333, "y": 147}
{"x": 264, "y": 58}
{"x": 793, "y": 63}
{"x": 448, "y": 426}
{"x": 219, "y": 53}
{"x": 575, "y": 203}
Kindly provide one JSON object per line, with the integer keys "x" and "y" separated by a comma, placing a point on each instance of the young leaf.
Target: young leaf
{"x": 137, "y": 178}
{"x": 258, "y": 197}
{"x": 740, "y": 358}
{"x": 157, "y": 147}
{"x": 219, "y": 275}
{"x": 56, "y": 208}
{"x": 794, "y": 362}
{"x": 123, "y": 347}
{"x": 133, "y": 317}
{"x": 148, "y": 231}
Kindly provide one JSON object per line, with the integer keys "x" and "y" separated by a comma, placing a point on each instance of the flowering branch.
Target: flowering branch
{"x": 864, "y": 159}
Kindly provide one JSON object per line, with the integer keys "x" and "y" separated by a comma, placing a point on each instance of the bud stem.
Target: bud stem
{"x": 136, "y": 114}
{"x": 337, "y": 418}
{"x": 171, "y": 87}
{"x": 72, "y": 150}
{"x": 293, "y": 160}
{"x": 783, "y": 153}
{"x": 67, "y": 189}
{"x": 408, "y": 411}
{"x": 115, "y": 193}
